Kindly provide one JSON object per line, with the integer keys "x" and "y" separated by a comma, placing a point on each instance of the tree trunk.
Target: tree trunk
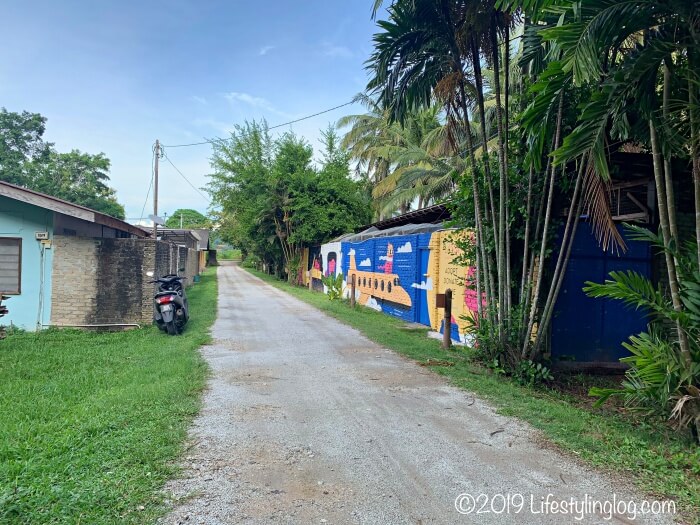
{"x": 671, "y": 201}
{"x": 479, "y": 81}
{"x": 562, "y": 259}
{"x": 526, "y": 242}
{"x": 502, "y": 179}
{"x": 535, "y": 235}
{"x": 694, "y": 138}
{"x": 665, "y": 231}
{"x": 475, "y": 185}
{"x": 506, "y": 124}
{"x": 543, "y": 245}
{"x": 478, "y": 272}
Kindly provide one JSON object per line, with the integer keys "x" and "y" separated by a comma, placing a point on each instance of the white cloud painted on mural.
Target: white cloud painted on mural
{"x": 424, "y": 285}
{"x": 406, "y": 248}
{"x": 366, "y": 262}
{"x": 373, "y": 304}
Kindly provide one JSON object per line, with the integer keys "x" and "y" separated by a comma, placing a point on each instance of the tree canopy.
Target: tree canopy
{"x": 274, "y": 200}
{"x": 27, "y": 160}
{"x": 187, "y": 218}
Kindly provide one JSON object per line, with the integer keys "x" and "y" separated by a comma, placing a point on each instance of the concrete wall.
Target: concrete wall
{"x": 104, "y": 281}
{"x": 33, "y": 304}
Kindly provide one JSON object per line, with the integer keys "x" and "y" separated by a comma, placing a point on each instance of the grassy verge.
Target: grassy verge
{"x": 660, "y": 462}
{"x": 90, "y": 422}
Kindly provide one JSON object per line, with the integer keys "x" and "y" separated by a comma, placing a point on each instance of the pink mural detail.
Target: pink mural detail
{"x": 470, "y": 296}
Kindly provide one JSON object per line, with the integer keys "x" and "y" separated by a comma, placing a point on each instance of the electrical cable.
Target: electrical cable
{"x": 153, "y": 174}
{"x": 186, "y": 179}
{"x": 219, "y": 139}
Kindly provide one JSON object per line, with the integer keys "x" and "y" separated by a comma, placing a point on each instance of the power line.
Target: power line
{"x": 148, "y": 193}
{"x": 314, "y": 115}
{"x": 219, "y": 139}
{"x": 186, "y": 179}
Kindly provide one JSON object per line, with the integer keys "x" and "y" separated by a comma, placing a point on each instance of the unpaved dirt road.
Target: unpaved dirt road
{"x": 306, "y": 421}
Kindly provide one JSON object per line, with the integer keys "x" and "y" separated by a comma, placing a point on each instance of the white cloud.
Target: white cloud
{"x": 199, "y": 100}
{"x": 406, "y": 248}
{"x": 334, "y": 51}
{"x": 424, "y": 285}
{"x": 246, "y": 98}
{"x": 373, "y": 304}
{"x": 255, "y": 102}
{"x": 366, "y": 262}
{"x": 265, "y": 50}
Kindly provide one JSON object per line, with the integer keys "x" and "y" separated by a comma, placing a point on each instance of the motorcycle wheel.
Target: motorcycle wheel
{"x": 172, "y": 328}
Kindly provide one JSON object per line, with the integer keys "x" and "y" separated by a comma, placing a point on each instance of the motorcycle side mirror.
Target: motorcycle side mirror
{"x": 149, "y": 274}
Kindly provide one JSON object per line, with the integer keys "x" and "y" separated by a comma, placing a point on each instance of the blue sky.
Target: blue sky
{"x": 112, "y": 76}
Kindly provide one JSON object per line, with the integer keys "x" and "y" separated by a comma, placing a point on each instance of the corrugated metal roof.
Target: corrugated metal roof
{"x": 49, "y": 202}
{"x": 429, "y": 215}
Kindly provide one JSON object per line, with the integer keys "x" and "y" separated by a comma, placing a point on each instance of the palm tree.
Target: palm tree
{"x": 406, "y": 160}
{"x": 630, "y": 46}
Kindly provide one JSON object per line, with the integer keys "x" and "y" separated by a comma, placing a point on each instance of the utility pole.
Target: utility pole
{"x": 155, "y": 189}
{"x": 181, "y": 221}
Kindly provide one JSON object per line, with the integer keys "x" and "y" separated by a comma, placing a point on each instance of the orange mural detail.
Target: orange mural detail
{"x": 384, "y": 285}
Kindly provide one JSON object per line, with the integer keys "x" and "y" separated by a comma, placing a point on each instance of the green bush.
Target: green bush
{"x": 334, "y": 286}
{"x": 661, "y": 380}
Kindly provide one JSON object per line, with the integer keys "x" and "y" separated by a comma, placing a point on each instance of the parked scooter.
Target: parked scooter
{"x": 171, "y": 308}
{"x": 3, "y": 312}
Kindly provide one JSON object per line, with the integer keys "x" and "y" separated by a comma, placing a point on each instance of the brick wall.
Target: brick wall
{"x": 104, "y": 281}
{"x": 74, "y": 279}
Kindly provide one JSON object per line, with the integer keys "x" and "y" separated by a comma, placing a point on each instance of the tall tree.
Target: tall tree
{"x": 26, "y": 160}
{"x": 21, "y": 144}
{"x": 187, "y": 218}
{"x": 275, "y": 202}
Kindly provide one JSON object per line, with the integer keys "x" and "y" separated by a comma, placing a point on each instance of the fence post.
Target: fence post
{"x": 352, "y": 290}
{"x": 447, "y": 329}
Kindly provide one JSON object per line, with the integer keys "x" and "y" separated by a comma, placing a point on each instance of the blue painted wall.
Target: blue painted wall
{"x": 586, "y": 329}
{"x": 18, "y": 219}
{"x": 371, "y": 256}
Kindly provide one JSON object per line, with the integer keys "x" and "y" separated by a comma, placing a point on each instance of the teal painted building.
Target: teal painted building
{"x": 25, "y": 262}
{"x": 29, "y": 221}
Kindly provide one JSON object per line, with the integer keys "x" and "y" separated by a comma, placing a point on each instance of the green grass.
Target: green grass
{"x": 660, "y": 462}
{"x": 90, "y": 423}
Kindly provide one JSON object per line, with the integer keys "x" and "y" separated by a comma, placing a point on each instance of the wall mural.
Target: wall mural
{"x": 444, "y": 272}
{"x": 402, "y": 275}
{"x": 331, "y": 257}
{"x": 315, "y": 268}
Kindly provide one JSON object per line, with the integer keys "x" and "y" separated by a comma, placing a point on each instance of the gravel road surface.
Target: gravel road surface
{"x": 306, "y": 421}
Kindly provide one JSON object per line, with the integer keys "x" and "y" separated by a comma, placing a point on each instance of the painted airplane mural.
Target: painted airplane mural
{"x": 381, "y": 285}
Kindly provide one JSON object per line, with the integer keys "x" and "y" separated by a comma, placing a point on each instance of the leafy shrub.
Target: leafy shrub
{"x": 503, "y": 356}
{"x": 251, "y": 261}
{"x": 529, "y": 373}
{"x": 334, "y": 286}
{"x": 661, "y": 380}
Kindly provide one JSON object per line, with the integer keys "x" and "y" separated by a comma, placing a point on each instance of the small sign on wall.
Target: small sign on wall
{"x": 440, "y": 300}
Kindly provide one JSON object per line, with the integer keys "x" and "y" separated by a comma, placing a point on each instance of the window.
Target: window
{"x": 10, "y": 265}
